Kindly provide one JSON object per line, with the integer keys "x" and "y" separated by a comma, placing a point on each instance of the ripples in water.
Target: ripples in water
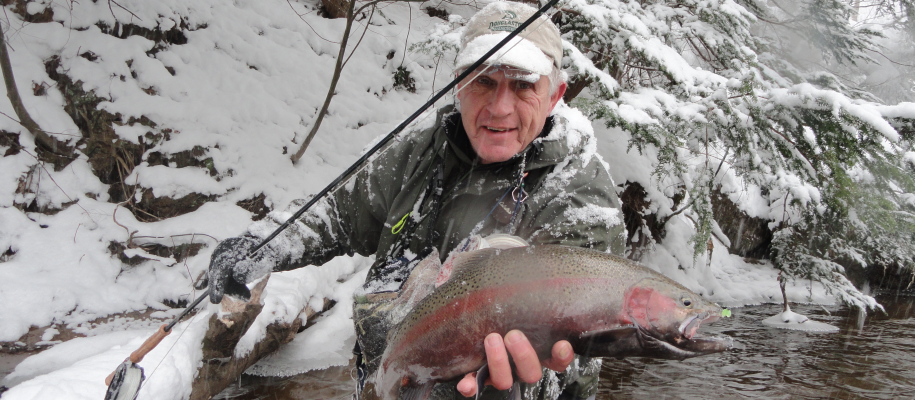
{"x": 871, "y": 357}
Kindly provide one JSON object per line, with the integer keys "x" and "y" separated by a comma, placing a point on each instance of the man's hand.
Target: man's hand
{"x": 231, "y": 268}
{"x": 525, "y": 358}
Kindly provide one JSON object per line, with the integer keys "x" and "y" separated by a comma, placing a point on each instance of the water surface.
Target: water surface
{"x": 871, "y": 357}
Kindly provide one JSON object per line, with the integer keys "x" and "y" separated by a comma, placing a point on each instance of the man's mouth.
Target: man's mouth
{"x": 495, "y": 129}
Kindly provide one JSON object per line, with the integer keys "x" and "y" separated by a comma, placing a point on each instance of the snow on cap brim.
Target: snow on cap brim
{"x": 537, "y": 49}
{"x": 518, "y": 53}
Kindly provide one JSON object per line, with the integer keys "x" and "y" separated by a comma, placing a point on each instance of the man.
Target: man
{"x": 502, "y": 164}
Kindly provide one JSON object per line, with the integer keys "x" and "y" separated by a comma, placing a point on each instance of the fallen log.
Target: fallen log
{"x": 221, "y": 367}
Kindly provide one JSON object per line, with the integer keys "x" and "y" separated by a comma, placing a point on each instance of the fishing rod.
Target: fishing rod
{"x": 124, "y": 383}
{"x": 390, "y": 136}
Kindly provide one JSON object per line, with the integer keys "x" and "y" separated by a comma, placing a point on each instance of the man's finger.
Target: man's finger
{"x": 468, "y": 386}
{"x": 499, "y": 370}
{"x": 562, "y": 356}
{"x": 527, "y": 364}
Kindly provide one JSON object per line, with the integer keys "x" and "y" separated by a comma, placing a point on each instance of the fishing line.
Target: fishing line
{"x": 189, "y": 322}
{"x": 487, "y": 68}
{"x": 478, "y": 71}
{"x": 384, "y": 143}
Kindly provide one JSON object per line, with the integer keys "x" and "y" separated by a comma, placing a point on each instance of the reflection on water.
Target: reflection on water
{"x": 872, "y": 357}
{"x": 333, "y": 383}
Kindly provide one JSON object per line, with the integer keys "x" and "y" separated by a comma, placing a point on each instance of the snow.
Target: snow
{"x": 169, "y": 368}
{"x": 175, "y": 182}
{"x": 246, "y": 89}
{"x": 592, "y": 214}
{"x": 517, "y": 53}
{"x": 910, "y": 157}
{"x": 807, "y": 94}
{"x": 288, "y": 293}
{"x": 791, "y": 320}
{"x": 70, "y": 352}
{"x": 327, "y": 343}
{"x": 77, "y": 368}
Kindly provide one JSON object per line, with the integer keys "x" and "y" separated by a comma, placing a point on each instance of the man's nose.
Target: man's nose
{"x": 503, "y": 100}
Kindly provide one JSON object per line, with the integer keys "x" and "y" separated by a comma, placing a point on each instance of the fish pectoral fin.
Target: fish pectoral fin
{"x": 611, "y": 334}
{"x": 417, "y": 392}
{"x": 615, "y": 342}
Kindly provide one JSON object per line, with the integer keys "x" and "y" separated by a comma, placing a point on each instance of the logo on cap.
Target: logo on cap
{"x": 506, "y": 24}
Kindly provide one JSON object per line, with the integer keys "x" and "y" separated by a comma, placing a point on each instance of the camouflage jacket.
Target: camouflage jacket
{"x": 571, "y": 200}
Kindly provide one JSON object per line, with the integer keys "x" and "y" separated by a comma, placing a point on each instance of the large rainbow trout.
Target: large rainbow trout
{"x": 606, "y": 306}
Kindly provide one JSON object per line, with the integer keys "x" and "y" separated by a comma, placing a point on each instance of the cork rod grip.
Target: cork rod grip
{"x": 149, "y": 344}
{"x": 146, "y": 347}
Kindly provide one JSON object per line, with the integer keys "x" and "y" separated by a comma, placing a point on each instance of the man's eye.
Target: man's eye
{"x": 522, "y": 85}
{"x": 485, "y": 81}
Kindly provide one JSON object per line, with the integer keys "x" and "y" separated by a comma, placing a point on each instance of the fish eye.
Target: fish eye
{"x": 687, "y": 302}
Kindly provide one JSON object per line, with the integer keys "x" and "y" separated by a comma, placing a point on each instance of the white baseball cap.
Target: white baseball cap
{"x": 536, "y": 49}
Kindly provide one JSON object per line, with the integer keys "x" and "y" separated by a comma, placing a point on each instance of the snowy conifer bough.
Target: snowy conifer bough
{"x": 733, "y": 96}
{"x": 753, "y": 101}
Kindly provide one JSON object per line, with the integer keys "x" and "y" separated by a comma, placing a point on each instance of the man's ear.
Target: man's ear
{"x": 561, "y": 90}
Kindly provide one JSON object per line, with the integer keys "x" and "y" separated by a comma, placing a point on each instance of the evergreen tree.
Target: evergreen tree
{"x": 751, "y": 85}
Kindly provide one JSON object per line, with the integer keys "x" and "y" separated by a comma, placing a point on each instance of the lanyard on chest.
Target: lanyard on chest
{"x": 422, "y": 212}
{"x": 506, "y": 212}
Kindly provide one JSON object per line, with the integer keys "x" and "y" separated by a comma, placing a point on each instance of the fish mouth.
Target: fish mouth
{"x": 690, "y": 326}
{"x": 696, "y": 345}
{"x": 688, "y": 342}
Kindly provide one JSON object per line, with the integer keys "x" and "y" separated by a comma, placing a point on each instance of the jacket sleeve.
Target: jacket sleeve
{"x": 577, "y": 205}
{"x": 347, "y": 221}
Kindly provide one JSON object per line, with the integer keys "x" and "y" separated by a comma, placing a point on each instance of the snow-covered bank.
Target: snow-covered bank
{"x": 243, "y": 90}
{"x": 77, "y": 369}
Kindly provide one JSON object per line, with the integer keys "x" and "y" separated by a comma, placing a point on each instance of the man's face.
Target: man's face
{"x": 503, "y": 110}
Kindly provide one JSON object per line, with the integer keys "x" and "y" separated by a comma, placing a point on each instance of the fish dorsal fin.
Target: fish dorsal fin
{"x": 470, "y": 259}
{"x": 418, "y": 285}
{"x": 503, "y": 241}
{"x": 470, "y": 253}
{"x": 460, "y": 261}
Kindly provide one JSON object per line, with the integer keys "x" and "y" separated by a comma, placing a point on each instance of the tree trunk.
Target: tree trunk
{"x": 333, "y": 83}
{"x": 41, "y": 137}
{"x": 574, "y": 89}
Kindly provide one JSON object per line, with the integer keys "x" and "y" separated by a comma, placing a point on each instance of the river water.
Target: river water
{"x": 871, "y": 357}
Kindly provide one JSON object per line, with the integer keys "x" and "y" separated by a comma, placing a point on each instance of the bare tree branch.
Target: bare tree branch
{"x": 306, "y": 23}
{"x": 333, "y": 84}
{"x": 12, "y": 91}
{"x": 121, "y": 7}
{"x": 367, "y": 21}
